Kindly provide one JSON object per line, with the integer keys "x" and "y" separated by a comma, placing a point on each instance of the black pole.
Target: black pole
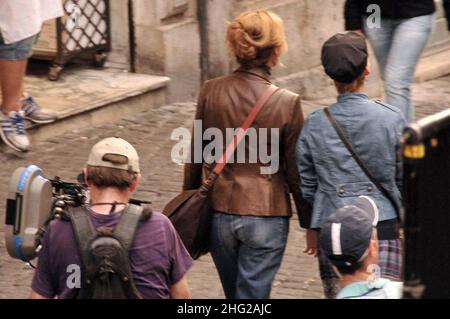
{"x": 132, "y": 38}
{"x": 413, "y": 286}
{"x": 202, "y": 15}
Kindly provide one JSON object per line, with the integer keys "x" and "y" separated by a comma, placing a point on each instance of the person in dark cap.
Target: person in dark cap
{"x": 345, "y": 60}
{"x": 331, "y": 176}
{"x": 349, "y": 240}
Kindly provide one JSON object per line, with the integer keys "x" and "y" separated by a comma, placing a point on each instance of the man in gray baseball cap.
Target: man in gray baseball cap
{"x": 153, "y": 252}
{"x": 349, "y": 240}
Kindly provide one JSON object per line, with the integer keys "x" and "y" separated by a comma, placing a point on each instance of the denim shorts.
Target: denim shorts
{"x": 16, "y": 51}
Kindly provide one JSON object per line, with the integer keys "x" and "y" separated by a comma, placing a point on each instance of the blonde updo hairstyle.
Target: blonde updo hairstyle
{"x": 257, "y": 39}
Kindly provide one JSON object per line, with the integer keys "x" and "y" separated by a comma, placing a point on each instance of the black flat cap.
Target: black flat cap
{"x": 344, "y": 56}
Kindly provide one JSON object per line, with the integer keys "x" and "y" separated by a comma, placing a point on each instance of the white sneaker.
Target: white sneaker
{"x": 34, "y": 112}
{"x": 13, "y": 131}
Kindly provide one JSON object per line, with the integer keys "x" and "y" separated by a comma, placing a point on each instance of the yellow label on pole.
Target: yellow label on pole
{"x": 414, "y": 151}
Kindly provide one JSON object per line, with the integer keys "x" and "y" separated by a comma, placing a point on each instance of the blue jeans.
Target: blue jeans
{"x": 247, "y": 252}
{"x": 398, "y": 45}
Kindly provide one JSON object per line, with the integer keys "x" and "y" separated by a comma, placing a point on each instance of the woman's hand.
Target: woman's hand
{"x": 311, "y": 242}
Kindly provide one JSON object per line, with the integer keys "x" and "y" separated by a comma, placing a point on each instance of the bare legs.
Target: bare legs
{"x": 13, "y": 132}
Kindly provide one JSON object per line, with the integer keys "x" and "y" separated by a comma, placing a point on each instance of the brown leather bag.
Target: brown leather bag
{"x": 191, "y": 212}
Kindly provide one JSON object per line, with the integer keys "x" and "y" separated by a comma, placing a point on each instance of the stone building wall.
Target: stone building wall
{"x": 185, "y": 40}
{"x": 308, "y": 24}
{"x": 168, "y": 43}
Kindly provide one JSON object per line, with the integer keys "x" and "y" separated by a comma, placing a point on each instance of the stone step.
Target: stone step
{"x": 433, "y": 66}
{"x": 85, "y": 97}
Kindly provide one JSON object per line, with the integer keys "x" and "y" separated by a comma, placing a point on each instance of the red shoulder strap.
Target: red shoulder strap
{"x": 242, "y": 131}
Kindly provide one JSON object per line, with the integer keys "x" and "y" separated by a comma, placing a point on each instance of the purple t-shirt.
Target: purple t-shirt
{"x": 158, "y": 257}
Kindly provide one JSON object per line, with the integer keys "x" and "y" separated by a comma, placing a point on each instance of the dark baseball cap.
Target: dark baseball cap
{"x": 344, "y": 56}
{"x": 346, "y": 234}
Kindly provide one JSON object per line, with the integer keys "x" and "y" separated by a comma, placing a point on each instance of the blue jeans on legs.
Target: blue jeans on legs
{"x": 247, "y": 252}
{"x": 398, "y": 45}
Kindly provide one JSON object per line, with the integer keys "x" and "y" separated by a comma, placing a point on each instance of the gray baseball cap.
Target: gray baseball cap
{"x": 345, "y": 236}
{"x": 114, "y": 146}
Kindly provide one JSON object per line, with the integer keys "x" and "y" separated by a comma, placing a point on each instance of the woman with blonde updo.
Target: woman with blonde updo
{"x": 257, "y": 39}
{"x": 251, "y": 199}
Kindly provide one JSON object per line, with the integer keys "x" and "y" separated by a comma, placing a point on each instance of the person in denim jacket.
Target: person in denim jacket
{"x": 330, "y": 177}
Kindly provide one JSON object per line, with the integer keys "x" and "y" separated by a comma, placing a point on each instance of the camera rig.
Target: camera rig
{"x": 33, "y": 202}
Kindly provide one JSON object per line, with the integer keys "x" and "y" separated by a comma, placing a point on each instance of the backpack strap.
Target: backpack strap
{"x": 126, "y": 228}
{"x": 84, "y": 231}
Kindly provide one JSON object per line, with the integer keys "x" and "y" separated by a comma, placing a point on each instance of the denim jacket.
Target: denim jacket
{"x": 330, "y": 177}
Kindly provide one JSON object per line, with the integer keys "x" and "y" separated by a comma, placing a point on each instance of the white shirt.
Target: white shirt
{"x": 381, "y": 289}
{"x": 21, "y": 19}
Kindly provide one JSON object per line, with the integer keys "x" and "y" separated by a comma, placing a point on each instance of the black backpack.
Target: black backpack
{"x": 106, "y": 271}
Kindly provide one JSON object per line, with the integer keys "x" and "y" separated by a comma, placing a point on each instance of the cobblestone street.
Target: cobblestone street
{"x": 150, "y": 132}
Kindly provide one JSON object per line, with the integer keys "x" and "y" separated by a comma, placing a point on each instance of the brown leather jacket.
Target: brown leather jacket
{"x": 241, "y": 189}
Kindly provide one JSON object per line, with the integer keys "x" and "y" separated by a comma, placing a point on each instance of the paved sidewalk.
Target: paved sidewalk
{"x": 150, "y": 131}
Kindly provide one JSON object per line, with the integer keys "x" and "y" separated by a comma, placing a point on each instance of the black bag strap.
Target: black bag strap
{"x": 84, "y": 230}
{"x": 126, "y": 228}
{"x": 358, "y": 160}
